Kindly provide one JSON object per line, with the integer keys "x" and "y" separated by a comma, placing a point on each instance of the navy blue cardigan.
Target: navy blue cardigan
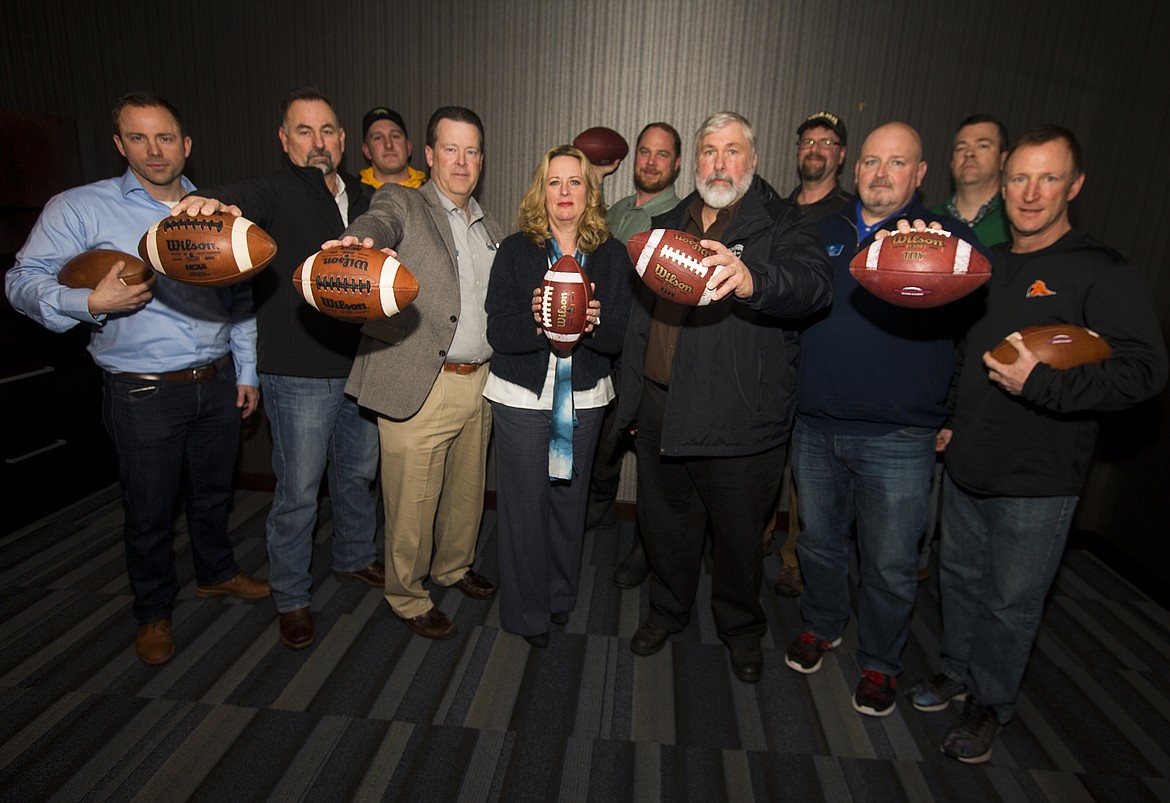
{"x": 520, "y": 353}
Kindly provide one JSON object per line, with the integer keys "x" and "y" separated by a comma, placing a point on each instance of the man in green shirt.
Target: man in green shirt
{"x": 976, "y": 160}
{"x": 657, "y": 159}
{"x": 656, "y": 165}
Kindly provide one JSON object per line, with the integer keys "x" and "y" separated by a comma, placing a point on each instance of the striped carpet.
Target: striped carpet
{"x": 372, "y": 713}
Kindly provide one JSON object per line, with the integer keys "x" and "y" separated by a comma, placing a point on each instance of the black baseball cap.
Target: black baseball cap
{"x": 383, "y": 113}
{"x": 826, "y": 119}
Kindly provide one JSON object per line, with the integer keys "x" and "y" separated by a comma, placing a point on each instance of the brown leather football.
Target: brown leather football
{"x": 564, "y": 299}
{"x": 601, "y": 145}
{"x": 89, "y": 268}
{"x": 920, "y": 269}
{"x": 355, "y": 284}
{"x": 207, "y": 250}
{"x": 1060, "y": 345}
{"x": 670, "y": 262}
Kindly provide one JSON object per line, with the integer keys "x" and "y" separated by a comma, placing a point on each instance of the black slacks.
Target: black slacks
{"x": 676, "y": 496}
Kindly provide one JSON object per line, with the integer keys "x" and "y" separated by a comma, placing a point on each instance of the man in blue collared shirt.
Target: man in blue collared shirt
{"x": 179, "y": 363}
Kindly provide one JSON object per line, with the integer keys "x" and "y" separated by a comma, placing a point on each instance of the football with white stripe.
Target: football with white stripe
{"x": 206, "y": 250}
{"x": 920, "y": 269}
{"x": 564, "y": 296}
{"x": 670, "y": 263}
{"x": 355, "y": 284}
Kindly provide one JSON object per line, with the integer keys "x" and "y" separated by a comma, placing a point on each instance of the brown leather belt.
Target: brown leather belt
{"x": 462, "y": 367}
{"x": 200, "y": 373}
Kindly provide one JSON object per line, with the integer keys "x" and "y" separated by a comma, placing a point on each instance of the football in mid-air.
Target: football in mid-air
{"x": 89, "y": 268}
{"x": 207, "y": 250}
{"x": 920, "y": 269}
{"x": 670, "y": 264}
{"x": 603, "y": 146}
{"x": 355, "y": 284}
{"x": 565, "y": 296}
{"x": 1060, "y": 345}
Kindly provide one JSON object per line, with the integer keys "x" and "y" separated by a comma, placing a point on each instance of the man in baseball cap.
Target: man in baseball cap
{"x": 820, "y": 153}
{"x": 386, "y": 144}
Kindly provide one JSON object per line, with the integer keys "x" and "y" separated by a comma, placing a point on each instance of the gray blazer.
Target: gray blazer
{"x": 399, "y": 358}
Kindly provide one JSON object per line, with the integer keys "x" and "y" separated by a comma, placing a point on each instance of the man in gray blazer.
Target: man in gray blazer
{"x": 423, "y": 373}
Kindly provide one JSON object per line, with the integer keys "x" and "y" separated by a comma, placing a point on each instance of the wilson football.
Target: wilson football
{"x": 89, "y": 268}
{"x": 603, "y": 146}
{"x": 207, "y": 250}
{"x": 920, "y": 269}
{"x": 355, "y": 284}
{"x": 670, "y": 263}
{"x": 1061, "y": 345}
{"x": 565, "y": 295}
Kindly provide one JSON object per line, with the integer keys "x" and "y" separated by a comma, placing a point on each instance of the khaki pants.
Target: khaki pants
{"x": 432, "y": 489}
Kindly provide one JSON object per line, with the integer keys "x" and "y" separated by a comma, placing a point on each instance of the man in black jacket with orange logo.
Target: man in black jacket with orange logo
{"x": 1021, "y": 438}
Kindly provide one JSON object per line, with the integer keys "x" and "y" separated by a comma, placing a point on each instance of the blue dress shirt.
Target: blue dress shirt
{"x": 182, "y": 326}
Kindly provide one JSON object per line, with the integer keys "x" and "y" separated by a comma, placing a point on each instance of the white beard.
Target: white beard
{"x": 721, "y": 197}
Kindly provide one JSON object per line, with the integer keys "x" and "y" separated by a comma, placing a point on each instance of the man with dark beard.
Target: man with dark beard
{"x": 657, "y": 159}
{"x": 709, "y": 390}
{"x": 820, "y": 151}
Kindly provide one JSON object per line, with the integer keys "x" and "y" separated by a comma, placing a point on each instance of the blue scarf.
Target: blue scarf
{"x": 564, "y": 417}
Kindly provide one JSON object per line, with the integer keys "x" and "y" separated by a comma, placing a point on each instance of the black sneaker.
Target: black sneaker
{"x": 935, "y": 693}
{"x": 875, "y": 694}
{"x": 969, "y": 740}
{"x": 805, "y": 653}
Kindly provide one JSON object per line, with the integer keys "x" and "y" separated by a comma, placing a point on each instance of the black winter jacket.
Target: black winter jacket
{"x": 519, "y": 352}
{"x": 295, "y": 207}
{"x": 733, "y": 377}
{"x": 1041, "y": 442}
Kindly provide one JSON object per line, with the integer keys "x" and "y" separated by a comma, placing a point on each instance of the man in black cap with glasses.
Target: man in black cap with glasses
{"x": 820, "y": 151}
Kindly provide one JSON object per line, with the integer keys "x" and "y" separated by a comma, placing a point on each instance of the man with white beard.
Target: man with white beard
{"x": 709, "y": 391}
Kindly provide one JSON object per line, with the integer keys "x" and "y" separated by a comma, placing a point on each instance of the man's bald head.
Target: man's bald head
{"x": 889, "y": 170}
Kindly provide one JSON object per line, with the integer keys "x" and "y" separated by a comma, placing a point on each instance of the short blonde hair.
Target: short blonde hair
{"x": 534, "y": 214}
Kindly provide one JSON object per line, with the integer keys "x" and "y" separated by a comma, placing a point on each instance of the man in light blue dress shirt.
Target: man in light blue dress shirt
{"x": 179, "y": 366}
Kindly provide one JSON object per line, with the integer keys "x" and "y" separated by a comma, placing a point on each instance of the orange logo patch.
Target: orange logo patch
{"x": 1039, "y": 288}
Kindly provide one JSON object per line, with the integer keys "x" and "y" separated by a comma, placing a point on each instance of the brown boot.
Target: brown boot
{"x": 241, "y": 586}
{"x": 154, "y": 643}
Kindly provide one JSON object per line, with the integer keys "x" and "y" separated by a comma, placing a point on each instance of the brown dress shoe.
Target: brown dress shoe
{"x": 153, "y": 643}
{"x": 432, "y": 624}
{"x": 476, "y": 586}
{"x": 374, "y": 574}
{"x": 241, "y": 586}
{"x": 296, "y": 629}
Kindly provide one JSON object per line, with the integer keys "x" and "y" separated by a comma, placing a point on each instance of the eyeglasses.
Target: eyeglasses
{"x": 826, "y": 142}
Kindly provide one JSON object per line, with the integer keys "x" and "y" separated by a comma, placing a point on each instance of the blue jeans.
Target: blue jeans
{"x": 998, "y": 558}
{"x": 314, "y": 422}
{"x": 171, "y": 437}
{"x": 882, "y": 483}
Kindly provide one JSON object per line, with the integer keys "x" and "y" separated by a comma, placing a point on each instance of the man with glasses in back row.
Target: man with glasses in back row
{"x": 821, "y": 142}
